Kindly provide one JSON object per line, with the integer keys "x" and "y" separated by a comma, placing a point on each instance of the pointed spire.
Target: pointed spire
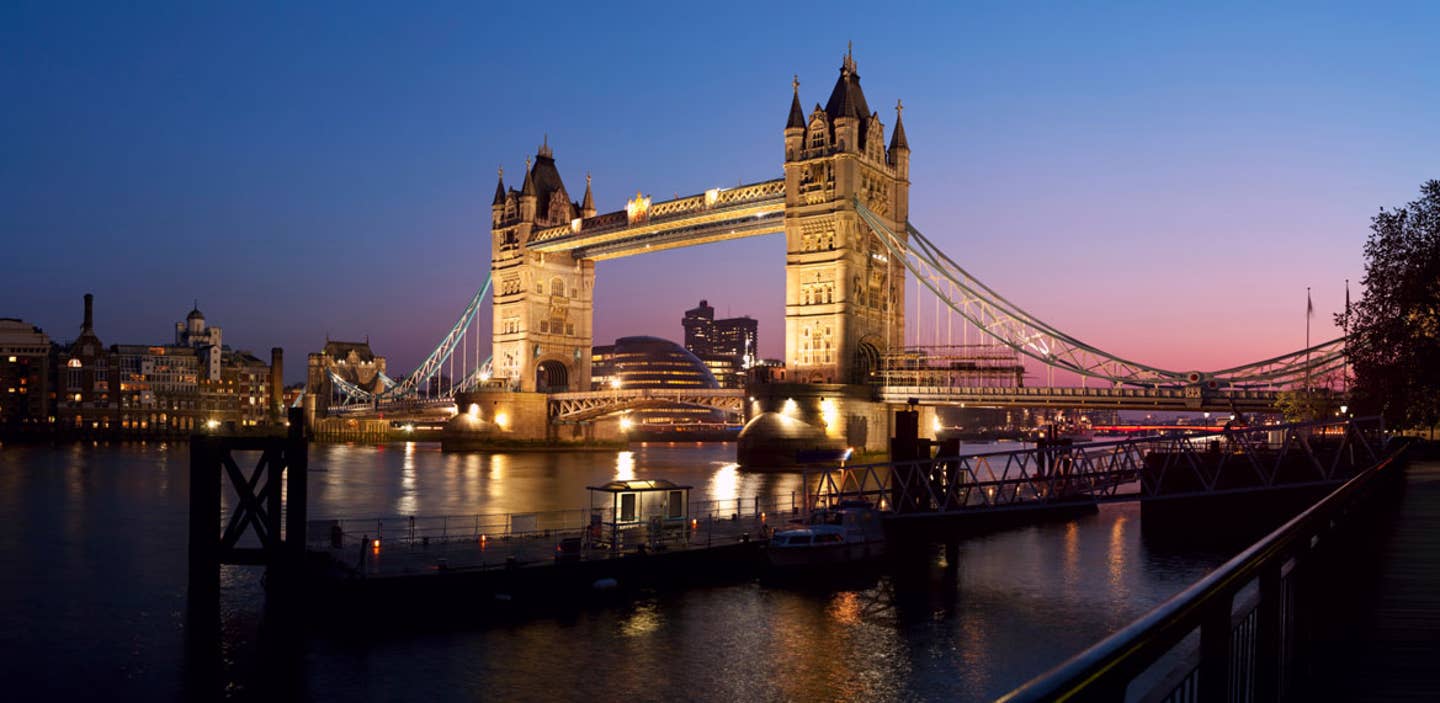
{"x": 846, "y": 99}
{"x": 587, "y": 204}
{"x": 545, "y": 150}
{"x": 797, "y": 115}
{"x": 500, "y": 188}
{"x": 897, "y": 138}
{"x": 529, "y": 186}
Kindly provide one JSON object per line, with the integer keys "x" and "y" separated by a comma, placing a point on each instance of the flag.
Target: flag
{"x": 1309, "y": 306}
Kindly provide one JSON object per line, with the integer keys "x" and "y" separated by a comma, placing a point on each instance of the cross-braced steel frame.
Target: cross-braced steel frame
{"x": 1240, "y": 459}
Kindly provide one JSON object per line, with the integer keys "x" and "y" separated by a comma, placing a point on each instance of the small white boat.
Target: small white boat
{"x": 850, "y": 533}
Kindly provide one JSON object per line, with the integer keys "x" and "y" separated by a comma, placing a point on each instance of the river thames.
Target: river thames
{"x": 93, "y": 593}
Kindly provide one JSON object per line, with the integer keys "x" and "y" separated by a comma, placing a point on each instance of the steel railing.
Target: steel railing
{"x": 1250, "y": 655}
{"x": 425, "y": 530}
{"x": 1238, "y": 459}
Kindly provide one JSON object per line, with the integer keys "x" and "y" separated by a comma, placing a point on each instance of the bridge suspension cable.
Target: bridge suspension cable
{"x": 997, "y": 317}
{"x": 428, "y": 378}
{"x": 426, "y": 375}
{"x": 348, "y": 393}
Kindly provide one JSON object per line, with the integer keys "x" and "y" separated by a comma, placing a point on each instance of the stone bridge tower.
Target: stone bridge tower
{"x": 844, "y": 292}
{"x": 543, "y": 302}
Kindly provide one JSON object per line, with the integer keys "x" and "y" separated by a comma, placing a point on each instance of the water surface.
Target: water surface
{"x": 93, "y": 593}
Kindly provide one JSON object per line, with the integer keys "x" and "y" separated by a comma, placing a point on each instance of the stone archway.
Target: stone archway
{"x": 551, "y": 377}
{"x": 865, "y": 363}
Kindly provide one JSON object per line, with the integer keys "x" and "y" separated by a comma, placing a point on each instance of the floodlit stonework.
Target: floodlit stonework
{"x": 543, "y": 301}
{"x": 844, "y": 293}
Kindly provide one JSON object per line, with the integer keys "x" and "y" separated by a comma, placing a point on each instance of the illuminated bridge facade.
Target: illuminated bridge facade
{"x": 850, "y": 248}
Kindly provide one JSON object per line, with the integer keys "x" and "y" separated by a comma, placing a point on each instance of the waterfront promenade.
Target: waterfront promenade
{"x": 1386, "y": 650}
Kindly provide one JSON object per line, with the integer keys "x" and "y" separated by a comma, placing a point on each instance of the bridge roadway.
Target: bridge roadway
{"x": 1171, "y": 399}
{"x": 583, "y": 406}
{"x": 589, "y": 405}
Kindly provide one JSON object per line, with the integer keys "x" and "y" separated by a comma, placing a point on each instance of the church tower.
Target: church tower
{"x": 543, "y": 302}
{"x": 844, "y": 292}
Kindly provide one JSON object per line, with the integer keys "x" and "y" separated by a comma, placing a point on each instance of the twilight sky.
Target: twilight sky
{"x": 1160, "y": 182}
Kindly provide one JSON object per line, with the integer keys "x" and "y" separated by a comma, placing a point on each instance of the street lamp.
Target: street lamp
{"x": 1344, "y": 409}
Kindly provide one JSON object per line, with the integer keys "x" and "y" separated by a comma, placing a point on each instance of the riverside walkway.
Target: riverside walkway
{"x": 1390, "y": 649}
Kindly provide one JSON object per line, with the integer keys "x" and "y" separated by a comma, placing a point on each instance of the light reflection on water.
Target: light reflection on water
{"x": 725, "y": 483}
{"x": 408, "y": 503}
{"x": 1018, "y": 601}
{"x": 625, "y": 466}
{"x": 1115, "y": 560}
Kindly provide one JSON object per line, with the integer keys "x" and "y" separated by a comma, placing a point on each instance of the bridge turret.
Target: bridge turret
{"x": 899, "y": 145}
{"x": 587, "y": 205}
{"x": 795, "y": 124}
{"x": 899, "y": 158}
{"x": 497, "y": 206}
{"x": 528, "y": 196}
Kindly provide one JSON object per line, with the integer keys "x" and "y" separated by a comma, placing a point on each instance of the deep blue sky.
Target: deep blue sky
{"x": 1162, "y": 182}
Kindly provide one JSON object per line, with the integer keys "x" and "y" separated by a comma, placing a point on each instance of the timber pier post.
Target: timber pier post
{"x": 266, "y": 526}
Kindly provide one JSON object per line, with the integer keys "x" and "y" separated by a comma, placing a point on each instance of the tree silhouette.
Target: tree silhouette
{"x": 1394, "y": 329}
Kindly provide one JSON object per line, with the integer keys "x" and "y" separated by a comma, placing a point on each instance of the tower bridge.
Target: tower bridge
{"x": 850, "y": 250}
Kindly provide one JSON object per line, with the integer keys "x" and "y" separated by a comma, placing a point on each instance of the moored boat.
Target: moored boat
{"x": 851, "y": 532}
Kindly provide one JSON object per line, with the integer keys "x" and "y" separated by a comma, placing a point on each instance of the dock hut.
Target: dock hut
{"x": 620, "y": 509}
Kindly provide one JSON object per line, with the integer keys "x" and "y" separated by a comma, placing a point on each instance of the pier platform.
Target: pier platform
{"x": 360, "y": 557}
{"x": 501, "y": 563}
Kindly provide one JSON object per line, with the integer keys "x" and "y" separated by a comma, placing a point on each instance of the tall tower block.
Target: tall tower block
{"x": 844, "y": 292}
{"x": 543, "y": 302}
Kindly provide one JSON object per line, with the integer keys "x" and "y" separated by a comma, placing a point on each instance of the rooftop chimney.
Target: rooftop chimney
{"x": 277, "y": 384}
{"x": 89, "y": 324}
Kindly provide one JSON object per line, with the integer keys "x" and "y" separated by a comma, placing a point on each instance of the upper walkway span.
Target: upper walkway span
{"x": 642, "y": 227}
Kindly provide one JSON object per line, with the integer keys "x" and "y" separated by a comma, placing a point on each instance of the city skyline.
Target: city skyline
{"x": 346, "y": 196}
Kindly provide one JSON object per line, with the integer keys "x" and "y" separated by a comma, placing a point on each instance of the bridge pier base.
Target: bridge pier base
{"x": 788, "y": 424}
{"x": 495, "y": 419}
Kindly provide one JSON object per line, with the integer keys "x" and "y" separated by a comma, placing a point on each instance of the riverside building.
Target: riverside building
{"x": 142, "y": 390}
{"x": 25, "y": 389}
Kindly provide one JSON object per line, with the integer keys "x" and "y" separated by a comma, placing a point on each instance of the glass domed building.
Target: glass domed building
{"x": 650, "y": 363}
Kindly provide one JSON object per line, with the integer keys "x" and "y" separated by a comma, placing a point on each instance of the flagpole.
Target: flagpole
{"x": 1345, "y": 368}
{"x": 1309, "y": 310}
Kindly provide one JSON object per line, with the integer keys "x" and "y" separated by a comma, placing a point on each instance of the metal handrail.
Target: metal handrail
{"x": 1104, "y": 670}
{"x": 425, "y": 529}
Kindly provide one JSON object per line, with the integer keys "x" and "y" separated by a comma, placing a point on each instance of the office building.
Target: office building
{"x": 726, "y": 346}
